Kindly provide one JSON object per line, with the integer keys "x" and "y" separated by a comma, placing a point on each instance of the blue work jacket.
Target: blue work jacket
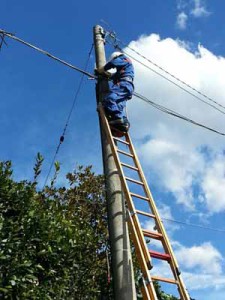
{"x": 124, "y": 68}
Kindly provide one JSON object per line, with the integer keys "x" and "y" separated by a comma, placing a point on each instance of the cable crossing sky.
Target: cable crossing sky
{"x": 114, "y": 41}
{"x": 69, "y": 115}
{"x": 12, "y": 36}
{"x": 159, "y": 107}
{"x": 3, "y": 33}
{"x": 175, "y": 114}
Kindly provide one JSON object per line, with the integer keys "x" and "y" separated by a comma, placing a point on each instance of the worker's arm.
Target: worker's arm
{"x": 120, "y": 61}
{"x": 117, "y": 62}
{"x": 103, "y": 72}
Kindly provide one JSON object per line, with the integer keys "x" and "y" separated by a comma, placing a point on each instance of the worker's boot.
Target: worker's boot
{"x": 121, "y": 124}
{"x": 116, "y": 121}
{"x": 125, "y": 126}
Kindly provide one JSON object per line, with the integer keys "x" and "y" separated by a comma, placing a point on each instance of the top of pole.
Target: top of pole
{"x": 99, "y": 44}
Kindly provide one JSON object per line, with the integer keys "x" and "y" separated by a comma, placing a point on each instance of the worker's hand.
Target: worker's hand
{"x": 101, "y": 71}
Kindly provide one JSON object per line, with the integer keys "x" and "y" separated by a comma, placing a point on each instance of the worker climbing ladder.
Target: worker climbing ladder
{"x": 138, "y": 234}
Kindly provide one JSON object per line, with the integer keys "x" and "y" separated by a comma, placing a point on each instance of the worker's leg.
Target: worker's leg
{"x": 119, "y": 120}
{"x": 115, "y": 101}
{"x": 126, "y": 91}
{"x": 111, "y": 102}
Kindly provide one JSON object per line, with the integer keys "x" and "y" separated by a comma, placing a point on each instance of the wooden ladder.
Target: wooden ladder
{"x": 138, "y": 234}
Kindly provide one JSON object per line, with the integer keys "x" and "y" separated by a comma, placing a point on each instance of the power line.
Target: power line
{"x": 164, "y": 109}
{"x": 157, "y": 106}
{"x": 12, "y": 36}
{"x": 116, "y": 45}
{"x": 180, "y": 116}
{"x": 62, "y": 137}
{"x": 171, "y": 81}
{"x": 175, "y": 114}
{"x": 2, "y": 37}
{"x": 194, "y": 225}
{"x": 84, "y": 72}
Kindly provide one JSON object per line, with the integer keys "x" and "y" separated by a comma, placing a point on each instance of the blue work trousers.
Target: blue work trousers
{"x": 115, "y": 101}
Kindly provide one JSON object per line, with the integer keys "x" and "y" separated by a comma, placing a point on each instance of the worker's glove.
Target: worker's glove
{"x": 101, "y": 71}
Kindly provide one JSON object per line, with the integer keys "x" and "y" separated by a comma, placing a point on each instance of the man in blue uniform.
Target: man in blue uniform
{"x": 120, "y": 89}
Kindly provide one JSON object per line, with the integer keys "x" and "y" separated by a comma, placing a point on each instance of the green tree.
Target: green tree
{"x": 161, "y": 295}
{"x": 54, "y": 241}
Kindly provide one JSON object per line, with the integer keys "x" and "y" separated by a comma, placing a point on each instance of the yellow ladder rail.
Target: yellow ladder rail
{"x": 138, "y": 234}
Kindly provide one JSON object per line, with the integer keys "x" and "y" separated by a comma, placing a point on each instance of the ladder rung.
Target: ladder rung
{"x": 129, "y": 166}
{"x": 140, "y": 212}
{"x": 159, "y": 255}
{"x": 121, "y": 141}
{"x": 125, "y": 153}
{"x": 139, "y": 196}
{"x": 168, "y": 280}
{"x": 134, "y": 181}
{"x": 152, "y": 234}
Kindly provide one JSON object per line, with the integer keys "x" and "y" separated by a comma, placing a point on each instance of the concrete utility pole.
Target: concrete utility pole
{"x": 123, "y": 279}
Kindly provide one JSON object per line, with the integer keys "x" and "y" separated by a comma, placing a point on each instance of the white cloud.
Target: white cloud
{"x": 194, "y": 280}
{"x": 178, "y": 153}
{"x": 182, "y": 20}
{"x": 165, "y": 213}
{"x": 199, "y": 281}
{"x": 205, "y": 258}
{"x": 214, "y": 185}
{"x": 180, "y": 167}
{"x": 201, "y": 266}
{"x": 166, "y": 217}
{"x": 199, "y": 9}
{"x": 188, "y": 9}
{"x": 181, "y": 4}
{"x": 182, "y": 159}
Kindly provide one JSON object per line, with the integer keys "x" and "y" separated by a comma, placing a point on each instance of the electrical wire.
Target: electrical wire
{"x": 116, "y": 45}
{"x": 62, "y": 137}
{"x": 180, "y": 87}
{"x": 2, "y": 37}
{"x": 175, "y": 114}
{"x": 12, "y": 36}
{"x": 163, "y": 109}
{"x": 194, "y": 225}
{"x": 157, "y": 106}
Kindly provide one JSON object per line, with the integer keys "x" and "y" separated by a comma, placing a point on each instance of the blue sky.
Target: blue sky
{"x": 184, "y": 164}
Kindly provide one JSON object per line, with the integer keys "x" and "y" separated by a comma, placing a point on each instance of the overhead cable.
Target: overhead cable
{"x": 194, "y": 225}
{"x": 180, "y": 87}
{"x": 12, "y": 36}
{"x": 62, "y": 137}
{"x": 157, "y": 106}
{"x": 2, "y": 37}
{"x": 116, "y": 42}
{"x": 164, "y": 109}
{"x": 175, "y": 114}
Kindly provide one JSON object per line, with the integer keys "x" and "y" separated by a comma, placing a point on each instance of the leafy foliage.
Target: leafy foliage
{"x": 53, "y": 241}
{"x": 161, "y": 295}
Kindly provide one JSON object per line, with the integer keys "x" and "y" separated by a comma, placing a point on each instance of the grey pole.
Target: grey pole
{"x": 123, "y": 278}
